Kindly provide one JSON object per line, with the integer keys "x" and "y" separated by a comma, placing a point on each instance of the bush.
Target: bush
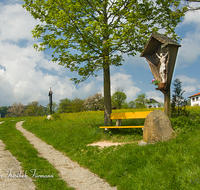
{"x": 184, "y": 124}
{"x": 180, "y": 111}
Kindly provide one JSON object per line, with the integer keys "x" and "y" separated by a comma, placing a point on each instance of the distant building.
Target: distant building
{"x": 152, "y": 103}
{"x": 195, "y": 99}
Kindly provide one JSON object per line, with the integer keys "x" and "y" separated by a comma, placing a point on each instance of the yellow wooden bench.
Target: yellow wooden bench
{"x": 127, "y": 115}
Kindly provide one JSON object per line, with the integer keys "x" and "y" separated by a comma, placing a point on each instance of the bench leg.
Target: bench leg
{"x": 118, "y": 122}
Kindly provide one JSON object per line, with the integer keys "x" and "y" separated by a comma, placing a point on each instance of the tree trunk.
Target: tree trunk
{"x": 107, "y": 95}
{"x": 106, "y": 68}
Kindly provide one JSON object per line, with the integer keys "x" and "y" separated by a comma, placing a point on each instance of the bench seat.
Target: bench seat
{"x": 122, "y": 127}
{"x": 127, "y": 115}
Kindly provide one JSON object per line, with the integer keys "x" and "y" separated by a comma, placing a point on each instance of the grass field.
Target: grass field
{"x": 174, "y": 164}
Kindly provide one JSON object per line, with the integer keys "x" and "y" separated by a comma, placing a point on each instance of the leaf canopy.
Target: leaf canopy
{"x": 99, "y": 30}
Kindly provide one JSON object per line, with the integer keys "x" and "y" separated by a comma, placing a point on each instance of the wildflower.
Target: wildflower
{"x": 155, "y": 82}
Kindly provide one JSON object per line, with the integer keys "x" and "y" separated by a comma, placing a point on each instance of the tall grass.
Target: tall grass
{"x": 165, "y": 165}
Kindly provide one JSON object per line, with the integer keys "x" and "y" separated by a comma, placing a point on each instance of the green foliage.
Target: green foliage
{"x": 34, "y": 109}
{"x": 54, "y": 108}
{"x": 118, "y": 99}
{"x": 184, "y": 124}
{"x": 70, "y": 106}
{"x": 3, "y": 111}
{"x": 155, "y": 82}
{"x": 141, "y": 101}
{"x": 64, "y": 105}
{"x": 100, "y": 32}
{"x": 178, "y": 101}
{"x": 56, "y": 116}
{"x": 77, "y": 105}
{"x": 125, "y": 105}
{"x": 16, "y": 110}
{"x": 94, "y": 102}
{"x": 131, "y": 104}
{"x": 94, "y": 27}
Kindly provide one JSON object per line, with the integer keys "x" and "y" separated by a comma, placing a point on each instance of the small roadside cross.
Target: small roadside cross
{"x": 50, "y": 100}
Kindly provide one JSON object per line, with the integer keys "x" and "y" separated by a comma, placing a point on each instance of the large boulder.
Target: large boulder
{"x": 157, "y": 127}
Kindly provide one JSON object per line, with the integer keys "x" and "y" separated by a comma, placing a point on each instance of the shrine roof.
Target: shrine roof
{"x": 155, "y": 41}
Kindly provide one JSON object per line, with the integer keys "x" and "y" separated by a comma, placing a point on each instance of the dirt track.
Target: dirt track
{"x": 9, "y": 167}
{"x": 74, "y": 175}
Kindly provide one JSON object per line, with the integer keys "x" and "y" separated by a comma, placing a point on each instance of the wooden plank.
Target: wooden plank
{"x": 130, "y": 115}
{"x": 122, "y": 127}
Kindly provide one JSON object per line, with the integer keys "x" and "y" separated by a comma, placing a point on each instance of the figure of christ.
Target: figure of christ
{"x": 162, "y": 70}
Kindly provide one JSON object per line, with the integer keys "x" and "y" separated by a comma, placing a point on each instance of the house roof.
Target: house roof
{"x": 194, "y": 95}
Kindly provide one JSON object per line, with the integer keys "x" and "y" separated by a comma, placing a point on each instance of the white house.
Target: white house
{"x": 195, "y": 99}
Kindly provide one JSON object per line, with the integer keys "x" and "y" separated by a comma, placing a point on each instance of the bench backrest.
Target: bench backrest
{"x": 130, "y": 115}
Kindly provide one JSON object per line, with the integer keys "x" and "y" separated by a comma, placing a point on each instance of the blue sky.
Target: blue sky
{"x": 27, "y": 75}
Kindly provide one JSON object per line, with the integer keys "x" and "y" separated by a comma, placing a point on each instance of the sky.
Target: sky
{"x": 26, "y": 75}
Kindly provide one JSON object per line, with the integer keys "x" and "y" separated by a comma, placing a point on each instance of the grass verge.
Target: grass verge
{"x": 165, "y": 165}
{"x": 20, "y": 147}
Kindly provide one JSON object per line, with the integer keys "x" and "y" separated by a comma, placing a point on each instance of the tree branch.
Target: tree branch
{"x": 100, "y": 13}
{"x": 78, "y": 30}
{"x": 89, "y": 13}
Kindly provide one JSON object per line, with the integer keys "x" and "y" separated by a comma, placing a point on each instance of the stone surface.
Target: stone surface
{"x": 157, "y": 127}
{"x": 49, "y": 117}
{"x": 142, "y": 143}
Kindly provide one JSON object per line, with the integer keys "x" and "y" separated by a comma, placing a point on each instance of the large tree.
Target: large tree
{"x": 118, "y": 98}
{"x": 16, "y": 110}
{"x": 34, "y": 109}
{"x": 94, "y": 102}
{"x": 141, "y": 101}
{"x": 101, "y": 31}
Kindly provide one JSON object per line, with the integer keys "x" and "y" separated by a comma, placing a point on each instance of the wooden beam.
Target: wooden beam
{"x": 167, "y": 103}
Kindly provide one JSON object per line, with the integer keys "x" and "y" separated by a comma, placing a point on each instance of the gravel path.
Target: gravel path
{"x": 74, "y": 175}
{"x": 9, "y": 170}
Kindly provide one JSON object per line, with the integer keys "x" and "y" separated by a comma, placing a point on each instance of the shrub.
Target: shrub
{"x": 184, "y": 124}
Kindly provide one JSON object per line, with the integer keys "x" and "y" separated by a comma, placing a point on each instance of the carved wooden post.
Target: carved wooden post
{"x": 50, "y": 100}
{"x": 160, "y": 52}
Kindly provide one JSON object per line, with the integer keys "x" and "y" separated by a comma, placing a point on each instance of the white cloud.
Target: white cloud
{"x": 191, "y": 17}
{"x": 6, "y": 95}
{"x": 87, "y": 89}
{"x": 189, "y": 88}
{"x": 187, "y": 80}
{"x": 21, "y": 68}
{"x": 15, "y": 23}
{"x": 37, "y": 86}
{"x": 124, "y": 82}
{"x": 189, "y": 50}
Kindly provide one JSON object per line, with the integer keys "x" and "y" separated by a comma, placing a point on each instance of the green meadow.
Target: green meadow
{"x": 173, "y": 164}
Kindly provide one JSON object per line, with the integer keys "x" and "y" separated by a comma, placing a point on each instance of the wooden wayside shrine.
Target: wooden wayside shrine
{"x": 160, "y": 44}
